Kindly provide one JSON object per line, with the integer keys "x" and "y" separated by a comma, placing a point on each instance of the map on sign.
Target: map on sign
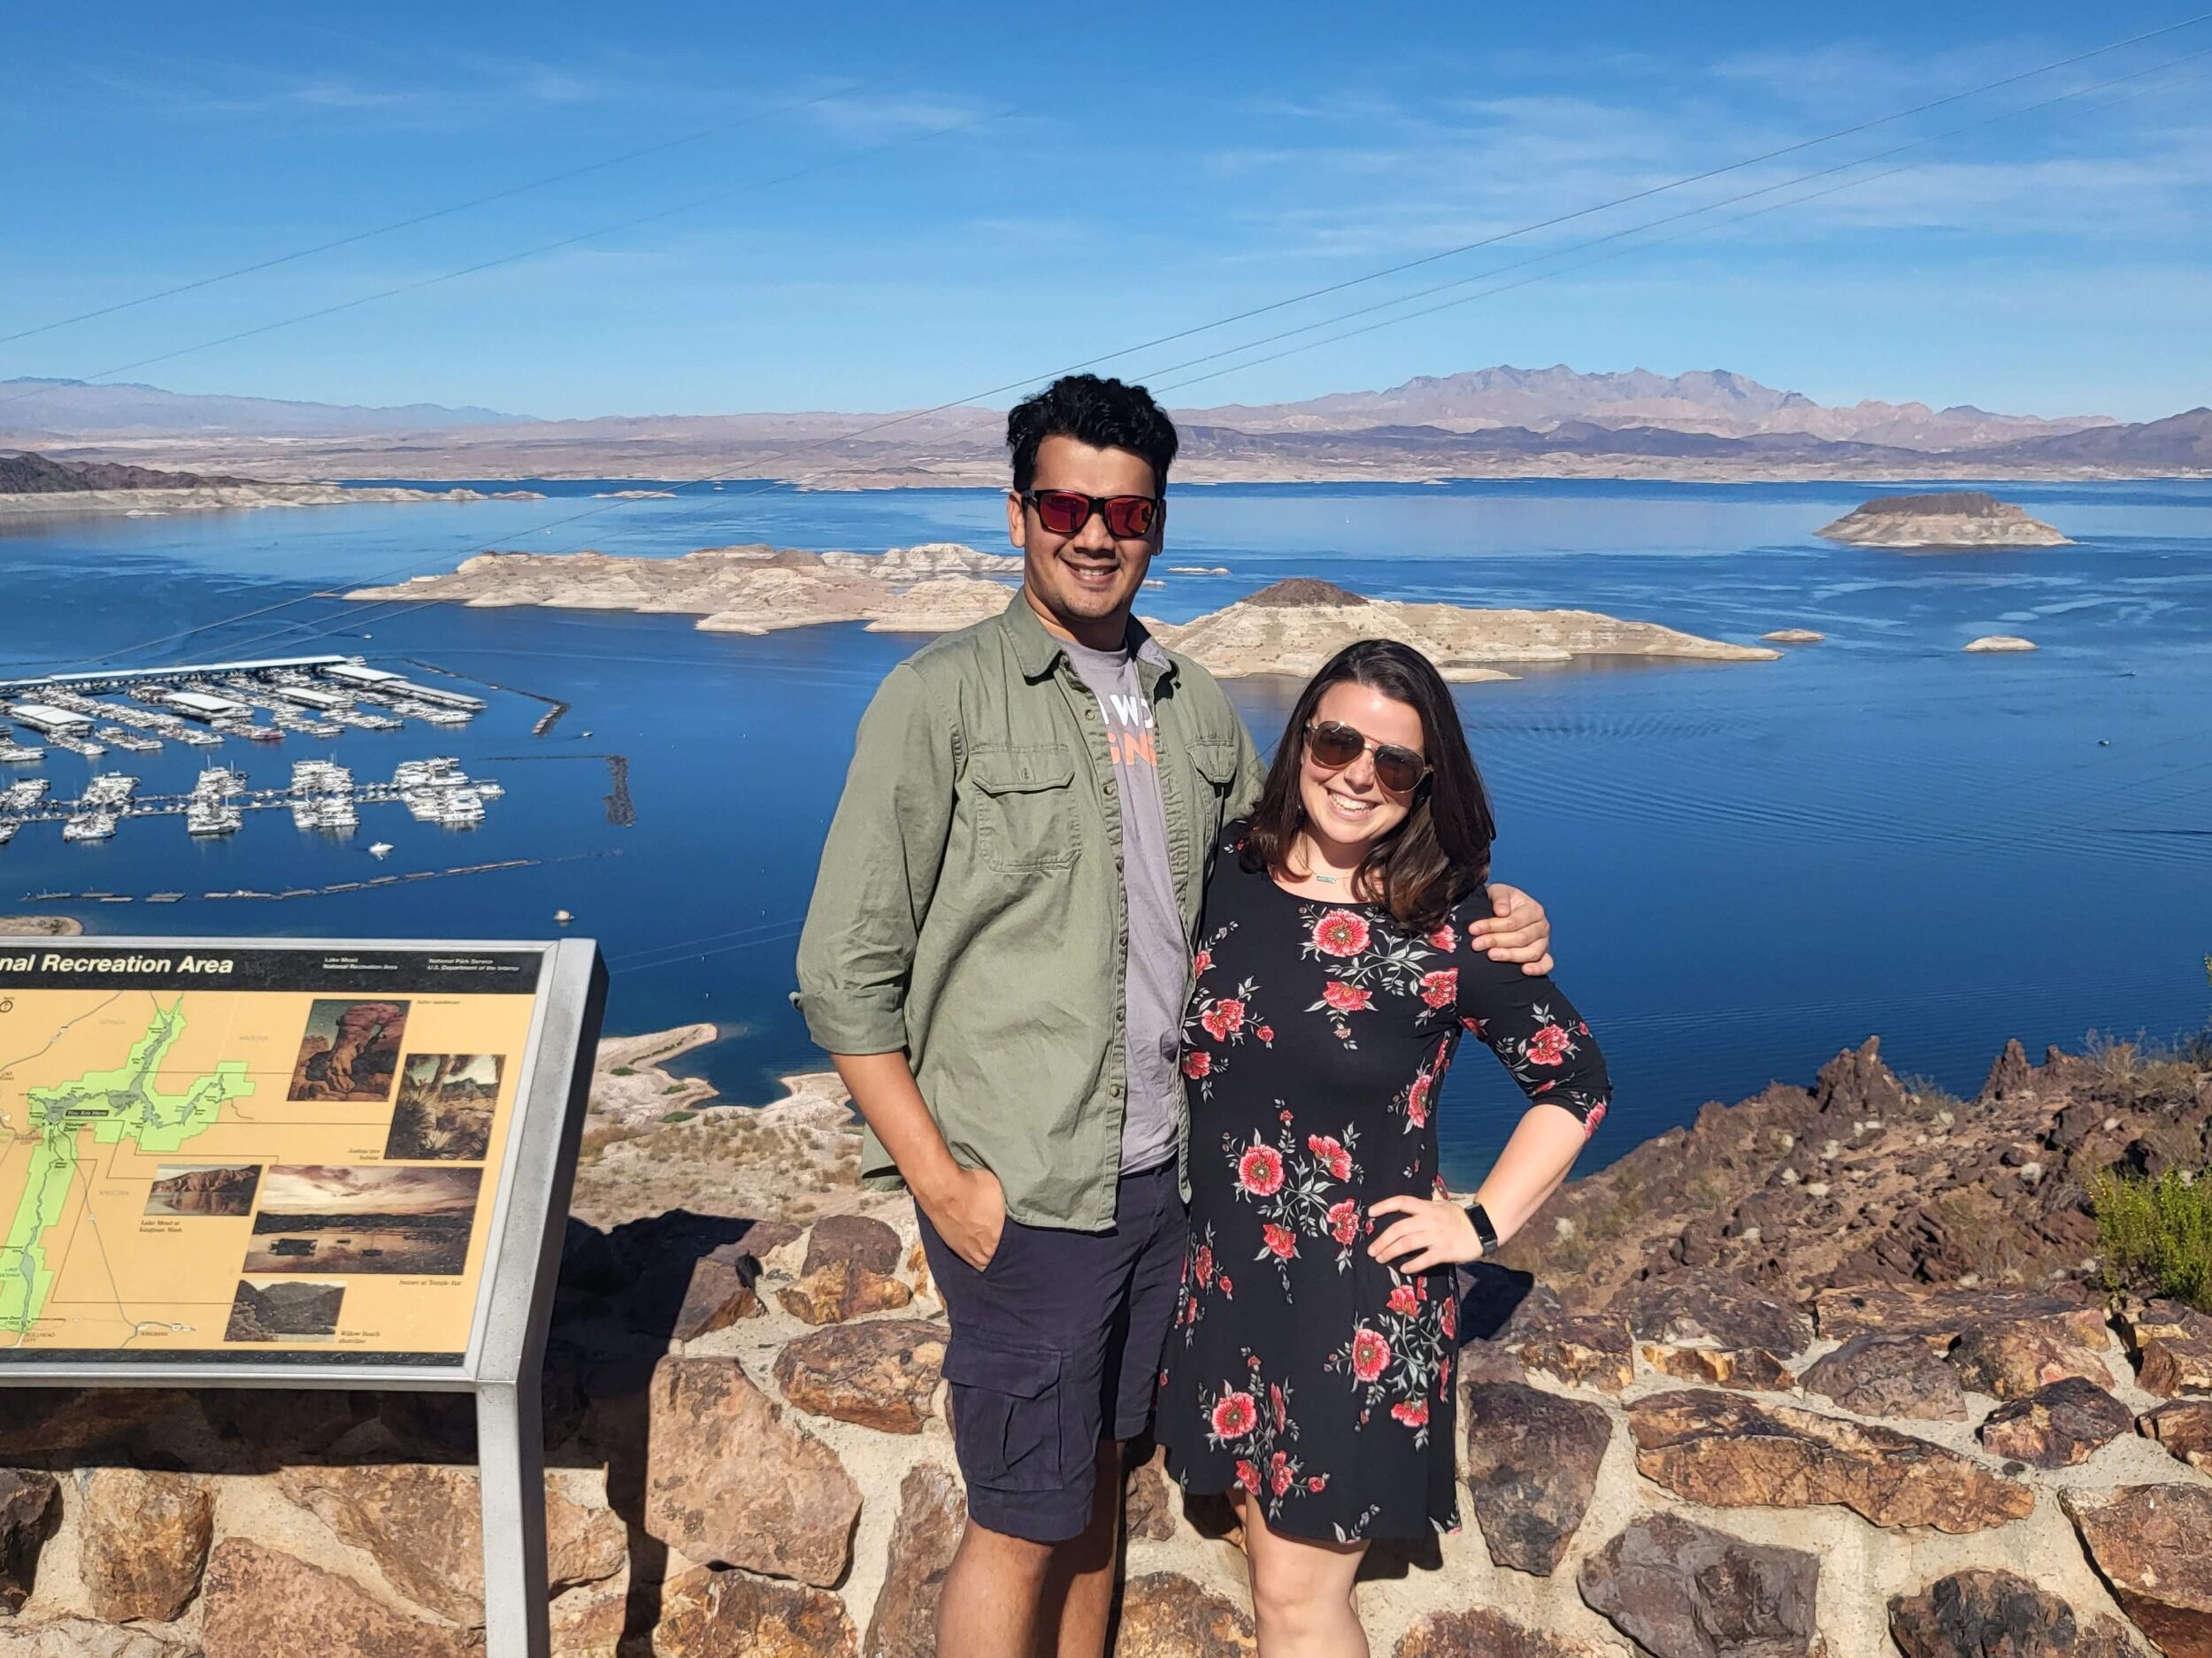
{"x": 273, "y": 1151}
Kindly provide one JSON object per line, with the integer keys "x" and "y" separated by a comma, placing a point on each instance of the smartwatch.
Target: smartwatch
{"x": 1484, "y": 1230}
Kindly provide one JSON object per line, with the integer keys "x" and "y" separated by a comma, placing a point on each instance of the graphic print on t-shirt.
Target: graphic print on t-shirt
{"x": 1131, "y": 736}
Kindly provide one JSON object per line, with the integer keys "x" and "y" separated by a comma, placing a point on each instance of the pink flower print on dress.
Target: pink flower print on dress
{"x": 1414, "y": 1413}
{"x": 1329, "y": 1152}
{"x": 1197, "y": 1062}
{"x": 1442, "y": 938}
{"x": 1401, "y": 1300}
{"x": 1340, "y": 932}
{"x": 1224, "y": 1019}
{"x": 1547, "y": 1047}
{"x": 1369, "y": 1355}
{"x": 1235, "y": 1415}
{"x": 1279, "y": 1241}
{"x": 1345, "y": 998}
{"x": 1440, "y": 989}
{"x": 1344, "y": 1221}
{"x": 1260, "y": 1171}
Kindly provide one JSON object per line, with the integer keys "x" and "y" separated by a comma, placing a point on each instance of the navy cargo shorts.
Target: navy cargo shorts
{"x": 1055, "y": 1348}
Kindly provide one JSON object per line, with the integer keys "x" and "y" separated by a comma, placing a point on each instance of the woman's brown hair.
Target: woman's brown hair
{"x": 1442, "y": 850}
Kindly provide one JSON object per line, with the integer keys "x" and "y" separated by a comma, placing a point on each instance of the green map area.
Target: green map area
{"x": 109, "y": 1106}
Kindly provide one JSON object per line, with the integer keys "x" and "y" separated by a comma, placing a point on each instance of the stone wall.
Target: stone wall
{"x": 750, "y": 1456}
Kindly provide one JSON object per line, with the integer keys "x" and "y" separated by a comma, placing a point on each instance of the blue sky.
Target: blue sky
{"x": 986, "y": 193}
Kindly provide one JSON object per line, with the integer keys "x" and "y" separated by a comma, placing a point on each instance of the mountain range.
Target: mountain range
{"x": 1498, "y": 421}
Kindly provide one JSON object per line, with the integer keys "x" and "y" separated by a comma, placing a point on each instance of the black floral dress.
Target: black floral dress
{"x": 1299, "y": 1367}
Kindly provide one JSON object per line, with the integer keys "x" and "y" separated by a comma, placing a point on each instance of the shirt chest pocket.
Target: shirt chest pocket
{"x": 1216, "y": 762}
{"x": 1026, "y": 808}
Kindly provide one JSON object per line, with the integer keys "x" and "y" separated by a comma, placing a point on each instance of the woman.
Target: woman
{"x": 1311, "y": 1371}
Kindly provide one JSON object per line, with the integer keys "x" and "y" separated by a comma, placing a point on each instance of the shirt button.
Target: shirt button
{"x": 1110, "y": 788}
{"x": 1114, "y": 1089}
{"x": 1090, "y": 713}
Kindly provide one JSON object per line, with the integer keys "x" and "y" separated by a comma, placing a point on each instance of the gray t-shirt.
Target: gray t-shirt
{"x": 1158, "y": 951}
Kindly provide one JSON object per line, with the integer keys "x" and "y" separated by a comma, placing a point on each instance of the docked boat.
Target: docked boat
{"x": 381, "y": 849}
{"x": 89, "y": 826}
{"x": 19, "y": 753}
{"x": 210, "y": 815}
{"x": 8, "y": 826}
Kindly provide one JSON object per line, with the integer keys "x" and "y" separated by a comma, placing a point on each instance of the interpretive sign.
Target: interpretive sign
{"x": 278, "y": 1163}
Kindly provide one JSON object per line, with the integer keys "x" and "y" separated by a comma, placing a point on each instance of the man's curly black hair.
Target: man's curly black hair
{"x": 1104, "y": 413}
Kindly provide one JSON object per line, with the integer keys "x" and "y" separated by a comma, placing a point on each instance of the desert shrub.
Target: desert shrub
{"x": 622, "y": 1070}
{"x": 2156, "y": 1235}
{"x": 1929, "y": 1097}
{"x": 678, "y": 1116}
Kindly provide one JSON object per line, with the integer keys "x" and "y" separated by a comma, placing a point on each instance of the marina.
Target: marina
{"x": 139, "y": 711}
{"x": 321, "y": 795}
{"x": 290, "y": 891}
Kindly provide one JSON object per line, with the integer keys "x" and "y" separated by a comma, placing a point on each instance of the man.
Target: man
{"x": 997, "y": 957}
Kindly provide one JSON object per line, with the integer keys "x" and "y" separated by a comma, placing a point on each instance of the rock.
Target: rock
{"x": 588, "y": 1621}
{"x": 1996, "y": 1615}
{"x": 1530, "y": 1462}
{"x": 423, "y": 1523}
{"x": 28, "y": 1514}
{"x": 2055, "y": 1426}
{"x": 1951, "y": 518}
{"x": 1725, "y": 1450}
{"x": 1482, "y": 1360}
{"x": 2148, "y": 1543}
{"x": 1942, "y": 1315}
{"x": 728, "y": 1481}
{"x": 1699, "y": 1306}
{"x": 1484, "y": 1634}
{"x": 80, "y": 1637}
{"x": 2009, "y": 1077}
{"x": 258, "y": 1603}
{"x": 719, "y": 1294}
{"x": 1889, "y": 1376}
{"x": 1856, "y": 1084}
{"x": 1752, "y": 1369}
{"x": 2172, "y": 1345}
{"x": 1679, "y": 1590}
{"x": 860, "y": 1238}
{"x": 881, "y": 1375}
{"x": 2074, "y": 1124}
{"x": 2184, "y": 1428}
{"x": 932, "y": 1514}
{"x": 1145, "y": 1511}
{"x": 1164, "y": 1614}
{"x": 1794, "y": 636}
{"x": 53, "y": 1421}
{"x": 141, "y": 1543}
{"x": 2014, "y": 1360}
{"x": 842, "y": 1290}
{"x": 710, "y": 1614}
{"x": 1583, "y": 1352}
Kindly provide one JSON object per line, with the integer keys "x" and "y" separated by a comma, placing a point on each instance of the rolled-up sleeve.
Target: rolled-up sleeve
{"x": 880, "y": 868}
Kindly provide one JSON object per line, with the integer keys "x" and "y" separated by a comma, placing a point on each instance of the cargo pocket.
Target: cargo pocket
{"x": 1005, "y": 1412}
{"x": 1025, "y": 816}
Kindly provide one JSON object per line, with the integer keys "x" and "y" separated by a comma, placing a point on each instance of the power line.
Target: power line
{"x": 1630, "y": 230}
{"x": 891, "y": 421}
{"x": 543, "y": 248}
{"x": 355, "y": 238}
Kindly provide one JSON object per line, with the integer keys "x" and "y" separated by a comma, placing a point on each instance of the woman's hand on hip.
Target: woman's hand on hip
{"x": 1435, "y": 1233}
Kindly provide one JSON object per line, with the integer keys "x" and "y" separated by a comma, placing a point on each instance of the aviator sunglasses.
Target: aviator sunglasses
{"x": 1065, "y": 511}
{"x": 1335, "y": 745}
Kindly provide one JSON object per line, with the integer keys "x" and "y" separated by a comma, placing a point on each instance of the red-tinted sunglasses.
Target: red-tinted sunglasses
{"x": 1065, "y": 511}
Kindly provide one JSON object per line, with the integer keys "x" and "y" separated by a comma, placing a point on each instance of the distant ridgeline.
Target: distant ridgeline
{"x": 29, "y": 474}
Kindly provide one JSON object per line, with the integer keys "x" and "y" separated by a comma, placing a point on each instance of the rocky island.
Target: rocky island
{"x": 1293, "y": 626}
{"x": 32, "y": 486}
{"x": 755, "y": 588}
{"x": 1963, "y": 517}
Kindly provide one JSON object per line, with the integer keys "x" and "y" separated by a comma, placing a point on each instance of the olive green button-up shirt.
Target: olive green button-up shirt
{"x": 970, "y": 906}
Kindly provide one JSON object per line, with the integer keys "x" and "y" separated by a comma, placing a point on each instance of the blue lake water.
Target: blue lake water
{"x": 1749, "y": 866}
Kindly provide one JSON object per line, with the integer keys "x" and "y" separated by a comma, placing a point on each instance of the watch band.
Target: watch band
{"x": 1484, "y": 1230}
